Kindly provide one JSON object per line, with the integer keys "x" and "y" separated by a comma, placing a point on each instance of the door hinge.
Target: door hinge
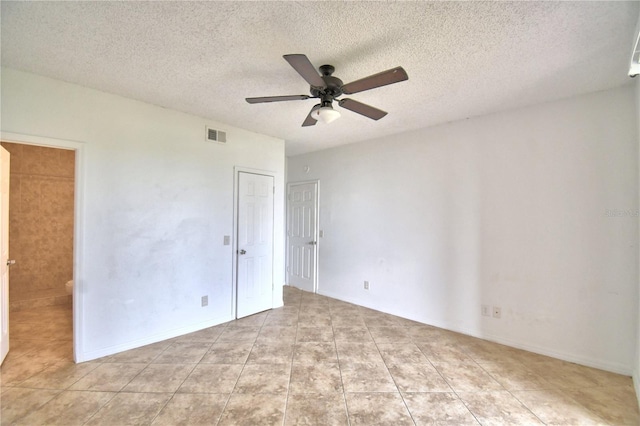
{"x": 274, "y": 189}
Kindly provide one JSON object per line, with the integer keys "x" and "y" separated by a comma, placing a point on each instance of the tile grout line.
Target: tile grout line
{"x": 127, "y": 384}
{"x": 183, "y": 380}
{"x": 391, "y": 375}
{"x": 507, "y": 390}
{"x": 100, "y": 408}
{"x": 465, "y": 351}
{"x": 246, "y": 361}
{"x": 295, "y": 341}
{"x": 224, "y": 407}
{"x": 450, "y": 387}
{"x": 344, "y": 391}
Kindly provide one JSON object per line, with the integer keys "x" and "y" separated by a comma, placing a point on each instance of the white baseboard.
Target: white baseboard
{"x": 111, "y": 350}
{"x": 575, "y": 358}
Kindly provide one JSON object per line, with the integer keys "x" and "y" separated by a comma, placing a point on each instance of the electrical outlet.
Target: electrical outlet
{"x": 486, "y": 311}
{"x": 497, "y": 312}
{"x": 366, "y": 285}
{"x": 204, "y": 301}
{"x": 321, "y": 233}
{"x": 226, "y": 240}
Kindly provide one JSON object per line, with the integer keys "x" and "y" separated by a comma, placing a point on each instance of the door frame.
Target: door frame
{"x": 78, "y": 221}
{"x": 316, "y": 231}
{"x": 234, "y": 237}
{"x": 5, "y": 189}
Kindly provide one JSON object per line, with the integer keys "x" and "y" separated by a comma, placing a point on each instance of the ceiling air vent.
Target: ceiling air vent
{"x": 214, "y": 135}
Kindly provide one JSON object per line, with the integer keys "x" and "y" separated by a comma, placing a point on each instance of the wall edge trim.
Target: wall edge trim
{"x": 540, "y": 350}
{"x": 159, "y": 337}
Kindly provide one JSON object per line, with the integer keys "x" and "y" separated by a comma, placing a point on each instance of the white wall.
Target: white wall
{"x": 507, "y": 210}
{"x": 157, "y": 201}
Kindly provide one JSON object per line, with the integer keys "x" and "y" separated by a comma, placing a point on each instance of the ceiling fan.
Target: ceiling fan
{"x": 328, "y": 88}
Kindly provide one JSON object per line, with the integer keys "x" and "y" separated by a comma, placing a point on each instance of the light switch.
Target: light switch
{"x": 321, "y": 233}
{"x": 227, "y": 240}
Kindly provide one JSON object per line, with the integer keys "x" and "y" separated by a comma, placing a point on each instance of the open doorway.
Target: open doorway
{"x": 41, "y": 241}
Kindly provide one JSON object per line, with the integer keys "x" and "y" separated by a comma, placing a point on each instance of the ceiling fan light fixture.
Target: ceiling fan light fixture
{"x": 326, "y": 114}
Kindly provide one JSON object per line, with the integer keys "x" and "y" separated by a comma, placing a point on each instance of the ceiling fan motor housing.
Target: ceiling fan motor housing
{"x": 333, "y": 85}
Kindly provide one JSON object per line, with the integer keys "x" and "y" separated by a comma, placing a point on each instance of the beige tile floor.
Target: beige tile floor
{"x": 314, "y": 361}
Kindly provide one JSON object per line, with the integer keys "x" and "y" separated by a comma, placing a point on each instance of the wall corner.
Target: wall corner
{"x": 636, "y": 364}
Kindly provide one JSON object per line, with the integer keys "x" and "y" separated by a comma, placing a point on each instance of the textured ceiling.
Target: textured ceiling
{"x": 463, "y": 59}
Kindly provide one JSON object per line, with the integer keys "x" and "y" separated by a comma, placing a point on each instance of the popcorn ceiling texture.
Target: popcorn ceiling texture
{"x": 40, "y": 224}
{"x": 463, "y": 58}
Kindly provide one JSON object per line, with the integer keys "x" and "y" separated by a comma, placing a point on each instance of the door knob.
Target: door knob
{"x": 313, "y": 243}
{"x": 243, "y": 251}
{"x": 11, "y": 262}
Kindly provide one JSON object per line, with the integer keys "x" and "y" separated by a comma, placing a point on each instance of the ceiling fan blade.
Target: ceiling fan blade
{"x": 310, "y": 121}
{"x": 277, "y": 99}
{"x": 383, "y": 78}
{"x": 364, "y": 109}
{"x": 305, "y": 68}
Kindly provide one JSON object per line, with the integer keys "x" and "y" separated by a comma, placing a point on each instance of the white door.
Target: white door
{"x": 302, "y": 235}
{"x": 255, "y": 244}
{"x": 4, "y": 250}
